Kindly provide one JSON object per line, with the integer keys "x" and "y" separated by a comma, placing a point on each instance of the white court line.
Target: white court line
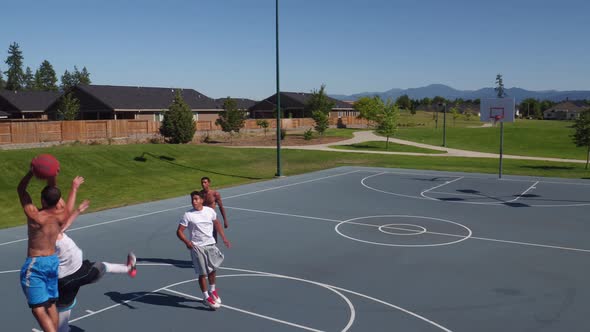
{"x": 186, "y": 206}
{"x": 476, "y": 177}
{"x": 524, "y": 192}
{"x": 248, "y": 312}
{"x": 429, "y": 232}
{"x": 332, "y": 288}
{"x": 440, "y": 185}
{"x": 9, "y": 271}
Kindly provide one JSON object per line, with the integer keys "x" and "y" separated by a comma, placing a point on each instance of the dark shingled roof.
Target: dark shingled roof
{"x": 571, "y": 105}
{"x": 130, "y": 97}
{"x": 295, "y": 100}
{"x": 30, "y": 100}
{"x": 242, "y": 103}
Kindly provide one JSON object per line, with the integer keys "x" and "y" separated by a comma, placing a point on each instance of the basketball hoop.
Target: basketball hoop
{"x": 497, "y": 118}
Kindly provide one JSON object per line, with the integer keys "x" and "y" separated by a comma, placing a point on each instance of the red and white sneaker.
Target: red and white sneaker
{"x": 215, "y": 296}
{"x": 210, "y": 302}
{"x": 131, "y": 264}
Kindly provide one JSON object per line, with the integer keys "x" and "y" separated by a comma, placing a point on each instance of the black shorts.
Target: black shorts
{"x": 68, "y": 286}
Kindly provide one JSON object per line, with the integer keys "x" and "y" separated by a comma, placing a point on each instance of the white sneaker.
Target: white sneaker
{"x": 210, "y": 302}
{"x": 215, "y": 296}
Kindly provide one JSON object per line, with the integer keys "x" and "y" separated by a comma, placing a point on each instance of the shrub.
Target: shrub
{"x": 308, "y": 134}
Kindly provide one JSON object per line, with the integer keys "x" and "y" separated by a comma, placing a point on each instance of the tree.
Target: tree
{"x": 69, "y": 107}
{"x": 67, "y": 81}
{"x": 500, "y": 86}
{"x": 231, "y": 120}
{"x": 322, "y": 122}
{"x": 45, "y": 79}
{"x": 82, "y": 77}
{"x": 178, "y": 125}
{"x": 387, "y": 121}
{"x": 74, "y": 78}
{"x": 2, "y": 83}
{"x": 529, "y": 106}
{"x": 29, "y": 79}
{"x": 14, "y": 75}
{"x": 262, "y": 123}
{"x": 368, "y": 108}
{"x": 404, "y": 102}
{"x": 319, "y": 106}
{"x": 455, "y": 113}
{"x": 581, "y": 136}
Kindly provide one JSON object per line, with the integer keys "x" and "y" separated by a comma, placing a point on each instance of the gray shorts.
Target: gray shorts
{"x": 206, "y": 259}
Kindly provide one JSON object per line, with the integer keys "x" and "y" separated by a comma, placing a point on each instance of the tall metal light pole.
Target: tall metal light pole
{"x": 278, "y": 94}
{"x": 444, "y": 109}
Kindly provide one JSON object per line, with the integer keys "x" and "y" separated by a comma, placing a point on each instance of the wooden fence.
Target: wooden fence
{"x": 57, "y": 131}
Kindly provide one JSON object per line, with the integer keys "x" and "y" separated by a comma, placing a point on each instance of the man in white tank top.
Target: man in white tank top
{"x": 74, "y": 271}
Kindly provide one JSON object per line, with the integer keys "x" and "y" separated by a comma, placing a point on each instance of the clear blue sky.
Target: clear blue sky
{"x": 227, "y": 47}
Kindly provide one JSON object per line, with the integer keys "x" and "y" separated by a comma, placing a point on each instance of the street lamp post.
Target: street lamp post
{"x": 444, "y": 108}
{"x": 278, "y": 92}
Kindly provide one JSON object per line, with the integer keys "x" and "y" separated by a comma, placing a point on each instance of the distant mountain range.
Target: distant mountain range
{"x": 447, "y": 92}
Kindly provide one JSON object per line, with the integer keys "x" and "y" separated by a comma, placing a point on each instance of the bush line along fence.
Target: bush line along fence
{"x": 58, "y": 131}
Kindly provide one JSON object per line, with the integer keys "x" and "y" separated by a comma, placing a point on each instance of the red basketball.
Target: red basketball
{"x": 45, "y": 166}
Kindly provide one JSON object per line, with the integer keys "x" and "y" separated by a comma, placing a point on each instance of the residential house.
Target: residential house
{"x": 130, "y": 102}
{"x": 567, "y": 110}
{"x": 26, "y": 105}
{"x": 293, "y": 104}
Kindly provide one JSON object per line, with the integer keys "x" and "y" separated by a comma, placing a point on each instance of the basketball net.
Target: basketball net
{"x": 497, "y": 118}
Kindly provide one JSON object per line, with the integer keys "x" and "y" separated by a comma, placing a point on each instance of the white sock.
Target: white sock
{"x": 116, "y": 268}
{"x": 64, "y": 321}
{"x": 212, "y": 287}
{"x": 206, "y": 295}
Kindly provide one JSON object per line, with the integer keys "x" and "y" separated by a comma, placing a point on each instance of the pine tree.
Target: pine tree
{"x": 178, "y": 125}
{"x": 67, "y": 81}
{"x": 319, "y": 106}
{"x": 231, "y": 120}
{"x": 82, "y": 77}
{"x": 14, "y": 74}
{"x": 29, "y": 79}
{"x": 45, "y": 78}
{"x": 69, "y": 107}
{"x": 2, "y": 83}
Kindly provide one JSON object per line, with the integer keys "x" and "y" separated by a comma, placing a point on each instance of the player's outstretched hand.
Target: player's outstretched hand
{"x": 227, "y": 244}
{"x": 84, "y": 205}
{"x": 77, "y": 182}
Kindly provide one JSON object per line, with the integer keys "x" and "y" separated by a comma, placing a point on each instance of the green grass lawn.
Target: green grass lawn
{"x": 380, "y": 146}
{"x": 540, "y": 138}
{"x": 120, "y": 175}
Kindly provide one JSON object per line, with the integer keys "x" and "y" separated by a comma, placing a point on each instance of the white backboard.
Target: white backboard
{"x": 497, "y": 109}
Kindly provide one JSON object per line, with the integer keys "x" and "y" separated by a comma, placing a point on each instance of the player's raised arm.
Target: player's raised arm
{"x": 76, "y": 183}
{"x": 25, "y": 199}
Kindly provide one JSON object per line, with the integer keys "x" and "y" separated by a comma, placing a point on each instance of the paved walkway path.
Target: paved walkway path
{"x": 365, "y": 136}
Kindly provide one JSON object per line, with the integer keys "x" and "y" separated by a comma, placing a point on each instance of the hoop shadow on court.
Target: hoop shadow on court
{"x": 170, "y": 160}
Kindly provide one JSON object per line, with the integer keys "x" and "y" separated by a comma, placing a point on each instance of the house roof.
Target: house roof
{"x": 131, "y": 97}
{"x": 29, "y": 100}
{"x": 242, "y": 103}
{"x": 295, "y": 100}
{"x": 570, "y": 105}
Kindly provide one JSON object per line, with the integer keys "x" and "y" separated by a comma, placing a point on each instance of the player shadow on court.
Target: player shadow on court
{"x": 74, "y": 328}
{"x": 171, "y": 160}
{"x": 154, "y": 298}
{"x": 173, "y": 262}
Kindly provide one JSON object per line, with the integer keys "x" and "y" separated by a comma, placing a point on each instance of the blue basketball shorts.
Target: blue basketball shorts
{"x": 38, "y": 278}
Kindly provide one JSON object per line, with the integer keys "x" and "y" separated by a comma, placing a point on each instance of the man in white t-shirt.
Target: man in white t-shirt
{"x": 206, "y": 257}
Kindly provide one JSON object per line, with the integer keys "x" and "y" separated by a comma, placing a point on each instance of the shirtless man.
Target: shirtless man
{"x": 39, "y": 272}
{"x": 211, "y": 198}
